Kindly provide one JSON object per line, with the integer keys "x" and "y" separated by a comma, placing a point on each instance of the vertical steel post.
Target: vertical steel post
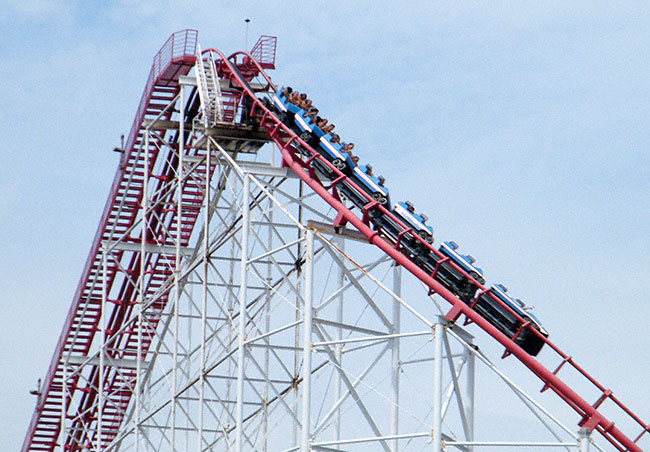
{"x": 469, "y": 395}
{"x": 438, "y": 331}
{"x": 204, "y": 320}
{"x": 140, "y": 302}
{"x": 395, "y": 355}
{"x": 339, "y": 347}
{"x": 584, "y": 439}
{"x": 307, "y": 331}
{"x": 102, "y": 347}
{"x": 267, "y": 314}
{"x": 177, "y": 296}
{"x": 296, "y": 362}
{"x": 242, "y": 314}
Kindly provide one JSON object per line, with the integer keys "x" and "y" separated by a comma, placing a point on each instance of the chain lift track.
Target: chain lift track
{"x": 131, "y": 281}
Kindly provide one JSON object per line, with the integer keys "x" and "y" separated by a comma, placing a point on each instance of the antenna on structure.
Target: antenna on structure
{"x": 247, "y": 20}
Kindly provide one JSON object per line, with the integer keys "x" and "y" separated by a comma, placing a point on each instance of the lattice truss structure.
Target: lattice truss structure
{"x": 266, "y": 329}
{"x": 221, "y": 310}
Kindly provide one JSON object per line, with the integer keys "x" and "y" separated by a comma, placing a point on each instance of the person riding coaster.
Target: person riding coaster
{"x": 311, "y": 134}
{"x": 362, "y": 177}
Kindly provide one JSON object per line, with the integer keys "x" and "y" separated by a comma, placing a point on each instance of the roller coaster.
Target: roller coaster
{"x": 187, "y": 189}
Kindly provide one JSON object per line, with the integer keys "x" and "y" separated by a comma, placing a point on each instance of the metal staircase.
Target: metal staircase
{"x": 208, "y": 86}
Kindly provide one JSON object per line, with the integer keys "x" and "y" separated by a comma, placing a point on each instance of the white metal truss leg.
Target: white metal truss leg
{"x": 339, "y": 347}
{"x": 141, "y": 297}
{"x": 307, "y": 342}
{"x": 470, "y": 378}
{"x": 438, "y": 331}
{"x": 102, "y": 351}
{"x": 204, "y": 308}
{"x": 395, "y": 354}
{"x": 584, "y": 438}
{"x": 242, "y": 314}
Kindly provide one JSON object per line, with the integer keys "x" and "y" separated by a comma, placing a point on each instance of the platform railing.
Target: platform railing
{"x": 179, "y": 46}
{"x": 264, "y": 51}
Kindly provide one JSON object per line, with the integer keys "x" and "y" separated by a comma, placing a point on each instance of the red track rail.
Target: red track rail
{"x": 591, "y": 417}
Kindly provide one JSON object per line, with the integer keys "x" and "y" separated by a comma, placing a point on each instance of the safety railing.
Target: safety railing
{"x": 264, "y": 51}
{"x": 179, "y": 46}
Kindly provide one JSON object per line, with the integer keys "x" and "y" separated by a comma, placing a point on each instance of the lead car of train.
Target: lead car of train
{"x": 408, "y": 230}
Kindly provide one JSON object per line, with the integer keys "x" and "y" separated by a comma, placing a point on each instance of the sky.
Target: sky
{"x": 520, "y": 128}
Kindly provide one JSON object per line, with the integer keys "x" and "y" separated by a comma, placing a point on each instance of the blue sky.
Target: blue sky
{"x": 520, "y": 128}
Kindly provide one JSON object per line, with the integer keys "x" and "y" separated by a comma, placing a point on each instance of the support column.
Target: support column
{"x": 307, "y": 341}
{"x": 339, "y": 347}
{"x": 394, "y": 408}
{"x": 267, "y": 315}
{"x": 469, "y": 395}
{"x": 180, "y": 180}
{"x": 438, "y": 331}
{"x": 64, "y": 400}
{"x": 206, "y": 267}
{"x": 584, "y": 439}
{"x": 102, "y": 348}
{"x": 141, "y": 289}
{"x": 239, "y": 415}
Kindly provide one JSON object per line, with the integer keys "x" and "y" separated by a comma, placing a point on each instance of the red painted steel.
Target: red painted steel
{"x": 287, "y": 141}
{"x": 264, "y": 51}
{"x": 176, "y": 57}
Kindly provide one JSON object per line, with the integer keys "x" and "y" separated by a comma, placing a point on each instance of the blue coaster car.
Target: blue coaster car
{"x": 278, "y": 102}
{"x": 287, "y": 111}
{"x": 333, "y": 152}
{"x": 466, "y": 262}
{"x": 371, "y": 185}
{"x": 449, "y": 276}
{"x": 391, "y": 229}
{"x": 311, "y": 134}
{"x": 406, "y": 212}
{"x": 492, "y": 311}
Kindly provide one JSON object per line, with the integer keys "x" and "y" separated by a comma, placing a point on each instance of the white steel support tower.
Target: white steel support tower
{"x": 282, "y": 334}
{"x": 265, "y": 328}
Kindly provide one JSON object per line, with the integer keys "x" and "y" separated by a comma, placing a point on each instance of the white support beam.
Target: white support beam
{"x": 107, "y": 361}
{"x": 148, "y": 248}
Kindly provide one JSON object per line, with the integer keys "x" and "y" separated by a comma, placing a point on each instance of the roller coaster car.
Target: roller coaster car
{"x": 466, "y": 262}
{"x": 331, "y": 151}
{"x": 287, "y": 112}
{"x": 406, "y": 212}
{"x": 407, "y": 242}
{"x": 369, "y": 184}
{"x": 495, "y": 313}
{"x": 310, "y": 133}
{"x": 449, "y": 276}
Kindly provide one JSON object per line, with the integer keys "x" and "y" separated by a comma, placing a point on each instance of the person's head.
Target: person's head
{"x": 289, "y": 90}
{"x": 303, "y": 96}
{"x": 351, "y": 146}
